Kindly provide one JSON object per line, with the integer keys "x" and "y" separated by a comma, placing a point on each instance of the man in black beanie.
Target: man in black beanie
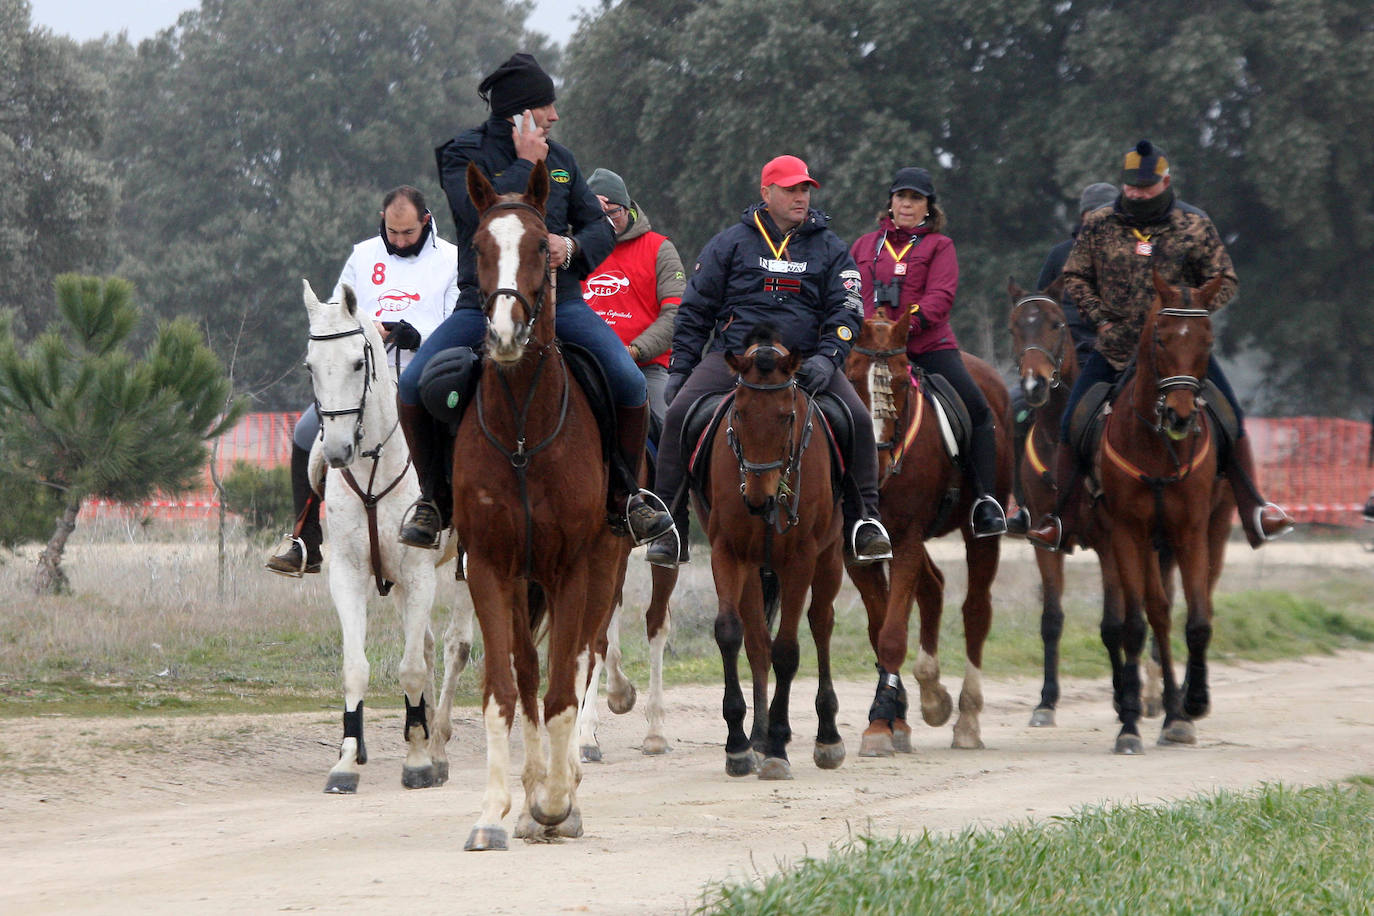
{"x": 506, "y": 148}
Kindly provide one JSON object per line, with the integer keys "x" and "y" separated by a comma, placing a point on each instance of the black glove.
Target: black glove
{"x": 814, "y": 374}
{"x": 403, "y": 334}
{"x": 675, "y": 383}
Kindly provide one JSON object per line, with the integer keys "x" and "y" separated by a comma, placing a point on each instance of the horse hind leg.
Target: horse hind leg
{"x": 457, "y": 653}
{"x": 936, "y": 703}
{"x": 620, "y": 692}
{"x": 589, "y": 717}
{"x": 658, "y": 626}
{"x": 982, "y": 556}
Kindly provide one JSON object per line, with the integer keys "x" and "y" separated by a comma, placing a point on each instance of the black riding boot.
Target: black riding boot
{"x": 986, "y": 516}
{"x": 424, "y": 523}
{"x": 1052, "y": 533}
{"x": 1261, "y": 520}
{"x": 300, "y": 551}
{"x": 646, "y": 520}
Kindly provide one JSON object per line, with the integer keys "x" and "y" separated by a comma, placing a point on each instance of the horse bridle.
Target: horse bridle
{"x": 369, "y": 376}
{"x": 1056, "y": 359}
{"x": 533, "y": 309}
{"x": 789, "y": 463}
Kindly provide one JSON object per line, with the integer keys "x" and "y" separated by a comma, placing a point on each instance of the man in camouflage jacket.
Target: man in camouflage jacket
{"x": 1108, "y": 273}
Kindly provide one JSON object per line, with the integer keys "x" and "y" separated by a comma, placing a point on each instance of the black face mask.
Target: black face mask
{"x": 411, "y": 250}
{"x": 1151, "y": 210}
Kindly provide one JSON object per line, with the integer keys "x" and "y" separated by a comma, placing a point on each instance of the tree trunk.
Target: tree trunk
{"x": 51, "y": 579}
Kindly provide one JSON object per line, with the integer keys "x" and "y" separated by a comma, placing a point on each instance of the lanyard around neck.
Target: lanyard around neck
{"x": 779, "y": 251}
{"x": 896, "y": 255}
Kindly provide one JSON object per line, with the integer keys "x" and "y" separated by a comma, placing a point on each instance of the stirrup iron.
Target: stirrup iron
{"x": 288, "y": 540}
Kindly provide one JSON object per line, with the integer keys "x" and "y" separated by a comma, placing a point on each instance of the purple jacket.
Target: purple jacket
{"x": 931, "y": 279}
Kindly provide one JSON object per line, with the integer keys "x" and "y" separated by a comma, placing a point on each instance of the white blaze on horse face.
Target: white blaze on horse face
{"x": 506, "y": 231}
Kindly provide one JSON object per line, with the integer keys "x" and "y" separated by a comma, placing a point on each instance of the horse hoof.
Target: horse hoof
{"x": 590, "y": 753}
{"x": 624, "y": 704}
{"x": 1042, "y": 717}
{"x": 549, "y": 820}
{"x": 440, "y": 772}
{"x": 775, "y": 768}
{"x": 484, "y": 838}
{"x": 938, "y": 711}
{"x": 828, "y": 756}
{"x": 901, "y": 737}
{"x": 655, "y": 745}
{"x": 418, "y": 777}
{"x": 1128, "y": 745}
{"x": 741, "y": 763}
{"x": 967, "y": 740}
{"x": 1179, "y": 731}
{"x": 876, "y": 742}
{"x": 341, "y": 784}
{"x": 571, "y": 826}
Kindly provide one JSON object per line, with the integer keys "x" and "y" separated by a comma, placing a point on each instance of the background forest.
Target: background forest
{"x": 217, "y": 163}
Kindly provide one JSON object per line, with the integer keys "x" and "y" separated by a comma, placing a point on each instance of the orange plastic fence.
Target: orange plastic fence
{"x": 262, "y": 439}
{"x": 1315, "y": 467}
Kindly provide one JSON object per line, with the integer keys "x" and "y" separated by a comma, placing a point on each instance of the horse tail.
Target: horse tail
{"x": 772, "y": 600}
{"x": 537, "y": 606}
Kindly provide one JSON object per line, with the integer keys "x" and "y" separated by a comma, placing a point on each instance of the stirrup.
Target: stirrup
{"x": 412, "y": 535}
{"x": 1259, "y": 524}
{"x": 883, "y": 547}
{"x": 999, "y": 524}
{"x": 282, "y": 563}
{"x": 1019, "y": 522}
{"x": 655, "y": 505}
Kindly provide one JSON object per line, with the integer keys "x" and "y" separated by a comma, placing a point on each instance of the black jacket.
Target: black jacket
{"x": 572, "y": 208}
{"x": 814, "y": 296}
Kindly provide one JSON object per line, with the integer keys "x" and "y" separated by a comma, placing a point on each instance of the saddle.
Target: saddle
{"x": 703, "y": 421}
{"x": 956, "y": 429}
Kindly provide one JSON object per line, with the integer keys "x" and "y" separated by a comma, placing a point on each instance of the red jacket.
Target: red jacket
{"x": 929, "y": 283}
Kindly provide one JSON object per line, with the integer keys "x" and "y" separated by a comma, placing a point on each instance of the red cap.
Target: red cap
{"x": 786, "y": 171}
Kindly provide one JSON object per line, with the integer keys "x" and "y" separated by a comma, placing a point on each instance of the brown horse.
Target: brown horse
{"x": 1158, "y": 466}
{"x": 528, "y": 503}
{"x": 924, "y": 495}
{"x": 768, "y": 548}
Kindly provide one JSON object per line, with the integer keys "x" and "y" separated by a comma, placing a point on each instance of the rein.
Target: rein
{"x": 369, "y": 499}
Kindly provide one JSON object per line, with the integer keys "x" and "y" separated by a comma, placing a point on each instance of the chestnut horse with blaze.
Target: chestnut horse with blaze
{"x": 529, "y": 504}
{"x": 917, "y": 479}
{"x": 774, "y": 525}
{"x": 1159, "y": 463}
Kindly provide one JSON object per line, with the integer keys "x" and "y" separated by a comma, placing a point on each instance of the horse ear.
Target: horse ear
{"x": 1056, "y": 289}
{"x": 308, "y": 293}
{"x": 537, "y": 188}
{"x": 736, "y": 364}
{"x": 1209, "y": 291}
{"x": 1014, "y": 289}
{"x": 789, "y": 363}
{"x": 481, "y": 192}
{"x": 901, "y": 328}
{"x": 350, "y": 299}
{"x": 1165, "y": 291}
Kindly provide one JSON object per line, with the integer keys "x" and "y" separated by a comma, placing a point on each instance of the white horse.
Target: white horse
{"x": 371, "y": 483}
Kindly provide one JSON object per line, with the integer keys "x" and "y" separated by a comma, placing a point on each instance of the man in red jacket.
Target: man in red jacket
{"x": 636, "y": 290}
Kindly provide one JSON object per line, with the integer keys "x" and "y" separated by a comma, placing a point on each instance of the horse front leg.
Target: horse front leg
{"x": 785, "y": 654}
{"x": 415, "y": 596}
{"x": 1051, "y": 567}
{"x": 828, "y": 753}
{"x": 1196, "y": 581}
{"x": 494, "y": 600}
{"x": 1125, "y": 637}
{"x": 729, "y": 633}
{"x": 982, "y": 556}
{"x": 349, "y": 593}
{"x": 570, "y": 661}
{"x": 457, "y": 652}
{"x": 936, "y": 703}
{"x": 658, "y": 625}
{"x": 887, "y": 727}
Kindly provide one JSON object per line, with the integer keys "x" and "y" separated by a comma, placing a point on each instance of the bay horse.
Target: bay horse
{"x": 916, "y": 480}
{"x": 371, "y": 482}
{"x": 529, "y": 489}
{"x": 774, "y": 526}
{"x": 1159, "y": 468}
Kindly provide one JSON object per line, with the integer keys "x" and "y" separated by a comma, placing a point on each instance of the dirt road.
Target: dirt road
{"x": 226, "y": 814}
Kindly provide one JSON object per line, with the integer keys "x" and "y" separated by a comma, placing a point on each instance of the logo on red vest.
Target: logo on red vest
{"x": 396, "y": 300}
{"x": 606, "y": 283}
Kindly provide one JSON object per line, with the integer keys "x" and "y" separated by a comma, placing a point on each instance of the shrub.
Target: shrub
{"x": 262, "y": 496}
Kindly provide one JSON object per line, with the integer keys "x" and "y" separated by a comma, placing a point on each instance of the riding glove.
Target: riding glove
{"x": 814, "y": 374}
{"x": 403, "y": 334}
{"x": 674, "y": 385}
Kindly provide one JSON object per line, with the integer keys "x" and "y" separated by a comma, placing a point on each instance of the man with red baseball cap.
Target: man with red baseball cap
{"x": 780, "y": 263}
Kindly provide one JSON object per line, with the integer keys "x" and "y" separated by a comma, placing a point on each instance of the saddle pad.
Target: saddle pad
{"x": 950, "y": 412}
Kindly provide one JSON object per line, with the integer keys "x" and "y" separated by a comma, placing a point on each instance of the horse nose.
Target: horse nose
{"x": 341, "y": 457}
{"x": 1036, "y": 390}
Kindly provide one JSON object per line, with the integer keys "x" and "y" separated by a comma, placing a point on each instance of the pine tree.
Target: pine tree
{"x": 87, "y": 418}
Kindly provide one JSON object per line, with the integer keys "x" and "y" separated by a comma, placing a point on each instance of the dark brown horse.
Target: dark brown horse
{"x": 529, "y": 505}
{"x": 1158, "y": 467}
{"x": 774, "y": 525}
{"x": 924, "y": 495}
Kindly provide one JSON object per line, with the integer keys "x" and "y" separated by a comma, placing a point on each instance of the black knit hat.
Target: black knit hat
{"x": 517, "y": 84}
{"x": 913, "y": 179}
{"x": 1144, "y": 165}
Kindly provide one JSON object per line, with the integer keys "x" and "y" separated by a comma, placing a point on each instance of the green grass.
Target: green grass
{"x": 148, "y": 628}
{"x": 1276, "y": 851}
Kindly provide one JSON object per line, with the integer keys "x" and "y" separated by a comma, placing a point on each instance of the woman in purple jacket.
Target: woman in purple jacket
{"x": 908, "y": 264}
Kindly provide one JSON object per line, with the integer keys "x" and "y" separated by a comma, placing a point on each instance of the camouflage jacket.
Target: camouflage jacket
{"x": 1109, "y": 278}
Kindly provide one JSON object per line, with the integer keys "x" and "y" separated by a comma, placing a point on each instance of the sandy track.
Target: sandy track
{"x": 226, "y": 815}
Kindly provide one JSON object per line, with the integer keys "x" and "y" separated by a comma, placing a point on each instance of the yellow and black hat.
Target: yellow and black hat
{"x": 1145, "y": 165}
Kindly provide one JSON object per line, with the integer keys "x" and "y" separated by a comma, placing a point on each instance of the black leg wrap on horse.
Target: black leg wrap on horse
{"x": 889, "y": 701}
{"x": 415, "y": 715}
{"x": 353, "y": 728}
